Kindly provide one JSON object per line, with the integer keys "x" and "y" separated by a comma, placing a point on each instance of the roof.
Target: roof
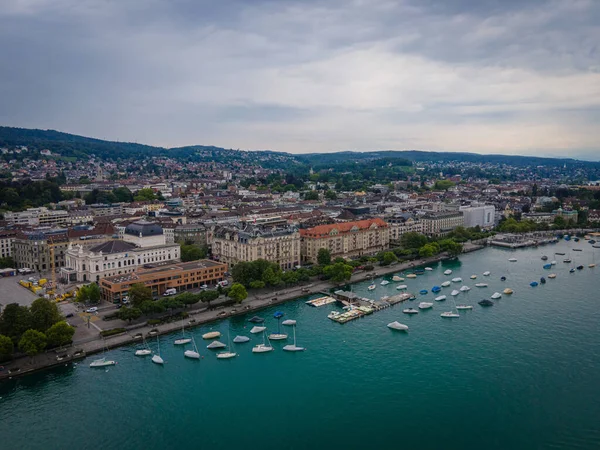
{"x": 346, "y": 227}
{"x": 144, "y": 228}
{"x": 114, "y": 246}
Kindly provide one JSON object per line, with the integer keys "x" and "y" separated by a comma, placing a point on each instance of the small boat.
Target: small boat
{"x": 572, "y": 270}
{"x": 441, "y": 298}
{"x": 553, "y": 263}
{"x": 567, "y": 238}
{"x": 473, "y": 277}
{"x": 559, "y": 253}
{"x": 567, "y": 260}
{"x": 184, "y": 340}
{"x": 454, "y": 293}
{"x": 486, "y": 302}
{"x": 576, "y": 239}
{"x": 371, "y": 287}
{"x": 384, "y": 282}
{"x": 211, "y": 335}
{"x": 397, "y": 326}
{"x": 446, "y": 284}
{"x": 412, "y": 297}
{"x": 543, "y": 280}
{"x": 240, "y": 339}
{"x": 397, "y": 278}
{"x": 289, "y": 322}
{"x": 410, "y": 311}
{"x": 481, "y": 285}
{"x": 512, "y": 259}
{"x": 533, "y": 284}
{"x": 102, "y": 362}
{"x": 216, "y": 344}
{"x": 503, "y": 278}
{"x": 547, "y": 266}
{"x": 278, "y": 337}
{"x": 425, "y": 305}
{"x": 463, "y": 307}
{"x": 579, "y": 267}
{"x": 592, "y": 265}
{"x": 465, "y": 288}
{"x": 429, "y": 269}
{"x": 447, "y": 272}
{"x": 333, "y": 314}
{"x": 496, "y": 295}
{"x": 194, "y": 353}
{"x": 402, "y": 287}
{"x": 592, "y": 241}
{"x": 552, "y": 275}
{"x": 264, "y": 347}
{"x": 293, "y": 347}
{"x": 423, "y": 291}
{"x": 419, "y": 271}
{"x": 456, "y": 280}
{"x": 544, "y": 258}
{"x": 449, "y": 315}
{"x": 144, "y": 351}
{"x": 227, "y": 354}
{"x": 508, "y": 291}
{"x": 256, "y": 330}
{"x": 436, "y": 289}
{"x": 256, "y": 319}
{"x": 577, "y": 249}
{"x": 486, "y": 273}
{"x": 411, "y": 275}
{"x": 156, "y": 358}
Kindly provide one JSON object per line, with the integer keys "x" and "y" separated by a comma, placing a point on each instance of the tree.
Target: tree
{"x": 122, "y": 195}
{"x": 187, "y": 298}
{"x": 330, "y": 195}
{"x": 139, "y": 293}
{"x": 324, "y": 257}
{"x": 151, "y": 307}
{"x": 33, "y": 342}
{"x": 238, "y": 292}
{"x": 338, "y": 272}
{"x": 192, "y": 252}
{"x": 560, "y": 222}
{"x": 311, "y": 195}
{"x": 290, "y": 277}
{"x": 270, "y": 278}
{"x": 144, "y": 195}
{"x": 413, "y": 240}
{"x": 389, "y": 258}
{"x": 6, "y": 347}
{"x": 60, "y": 333}
{"x": 209, "y": 296}
{"x": 7, "y": 262}
{"x": 257, "y": 284}
{"x": 44, "y": 314}
{"x": 129, "y": 314}
{"x": 427, "y": 251}
{"x": 170, "y": 303}
{"x": 89, "y": 294}
{"x": 444, "y": 185}
{"x": 14, "y": 321}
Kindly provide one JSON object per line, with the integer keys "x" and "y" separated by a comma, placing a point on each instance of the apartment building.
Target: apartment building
{"x": 6, "y": 243}
{"x": 41, "y": 216}
{"x": 443, "y": 222}
{"x": 482, "y": 216}
{"x": 401, "y": 224}
{"x": 31, "y": 248}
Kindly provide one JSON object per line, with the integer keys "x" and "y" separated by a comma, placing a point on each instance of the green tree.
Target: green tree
{"x": 389, "y": 258}
{"x": 144, "y": 195}
{"x": 6, "y": 347}
{"x": 60, "y": 333}
{"x": 330, "y": 195}
{"x": 122, "y": 195}
{"x": 257, "y": 284}
{"x": 324, "y": 257}
{"x": 129, "y": 314}
{"x": 427, "y": 251}
{"x": 443, "y": 185}
{"x": 270, "y": 278}
{"x": 290, "y": 277}
{"x": 139, "y": 293}
{"x": 338, "y": 272}
{"x": 192, "y": 252}
{"x": 560, "y": 222}
{"x": 238, "y": 292}
{"x": 44, "y": 314}
{"x": 171, "y": 303}
{"x": 89, "y": 294}
{"x": 33, "y": 342}
{"x": 150, "y": 307}
{"x": 7, "y": 262}
{"x": 187, "y": 298}
{"x": 413, "y": 240}
{"x": 209, "y": 296}
{"x": 14, "y": 321}
{"x": 311, "y": 195}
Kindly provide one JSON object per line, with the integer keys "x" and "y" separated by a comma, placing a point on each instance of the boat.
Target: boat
{"x": 227, "y": 354}
{"x": 592, "y": 265}
{"x": 577, "y": 249}
{"x": 411, "y": 275}
{"x": 503, "y": 278}
{"x": 486, "y": 302}
{"x": 481, "y": 285}
{"x": 447, "y": 272}
{"x": 429, "y": 269}
{"x": 579, "y": 267}
{"x": 156, "y": 358}
{"x": 553, "y": 262}
{"x": 183, "y": 339}
{"x": 465, "y": 288}
{"x": 559, "y": 253}
{"x": 215, "y": 344}
{"x": 473, "y": 277}
{"x": 333, "y": 314}
{"x": 425, "y": 305}
{"x": 512, "y": 259}
{"x": 533, "y": 284}
{"x": 449, "y": 315}
{"x": 592, "y": 241}
{"x": 436, "y": 289}
{"x": 454, "y": 293}
{"x": 576, "y": 239}
{"x": 463, "y": 307}
{"x": 547, "y": 266}
{"x": 102, "y": 362}
{"x": 397, "y": 326}
{"x": 384, "y": 282}
{"x": 544, "y": 258}
{"x": 211, "y": 335}
{"x": 293, "y": 347}
{"x": 419, "y": 271}
{"x": 446, "y": 284}
{"x": 441, "y": 298}
{"x": 456, "y": 280}
{"x": 397, "y": 278}
{"x": 572, "y": 270}
{"x": 289, "y": 322}
{"x": 194, "y": 353}
{"x": 257, "y": 329}
{"x": 496, "y": 295}
{"x": 371, "y": 287}
{"x": 279, "y": 336}
{"x": 240, "y": 339}
{"x": 264, "y": 347}
{"x": 543, "y": 280}
{"x": 596, "y": 245}
{"x": 567, "y": 260}
{"x": 256, "y": 319}
{"x": 423, "y": 291}
{"x": 486, "y": 273}
{"x": 144, "y": 351}
{"x": 552, "y": 275}
{"x": 402, "y": 287}
{"x": 567, "y": 238}
{"x": 410, "y": 311}
{"x": 508, "y": 291}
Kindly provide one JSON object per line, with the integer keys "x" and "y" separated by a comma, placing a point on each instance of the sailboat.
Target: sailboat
{"x": 289, "y": 322}
{"x": 293, "y": 347}
{"x": 194, "y": 353}
{"x": 279, "y": 336}
{"x": 215, "y": 344}
{"x": 441, "y": 298}
{"x": 227, "y": 354}
{"x": 183, "y": 339}
{"x": 450, "y": 314}
{"x": 257, "y": 329}
{"x": 264, "y": 347}
{"x": 156, "y": 358}
{"x": 102, "y": 362}
{"x": 144, "y": 351}
{"x": 240, "y": 339}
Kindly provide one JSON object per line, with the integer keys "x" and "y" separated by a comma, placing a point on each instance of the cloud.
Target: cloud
{"x": 305, "y": 76}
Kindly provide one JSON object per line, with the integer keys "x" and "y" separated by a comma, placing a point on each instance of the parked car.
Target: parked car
{"x": 93, "y": 309}
{"x": 171, "y": 291}
{"x": 69, "y": 315}
{"x": 204, "y": 286}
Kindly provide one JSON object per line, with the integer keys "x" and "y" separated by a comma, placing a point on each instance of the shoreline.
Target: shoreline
{"x": 254, "y": 302}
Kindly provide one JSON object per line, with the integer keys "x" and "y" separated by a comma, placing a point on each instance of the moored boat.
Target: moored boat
{"x": 425, "y": 305}
{"x": 496, "y": 295}
{"x": 447, "y": 272}
{"x": 486, "y": 273}
{"x": 454, "y": 293}
{"x": 436, "y": 289}
{"x": 411, "y": 275}
{"x": 486, "y": 302}
{"x": 552, "y": 275}
{"x": 533, "y": 284}
{"x": 473, "y": 277}
{"x": 481, "y": 285}
{"x": 429, "y": 269}
{"x": 456, "y": 280}
{"x": 216, "y": 344}
{"x": 211, "y": 335}
{"x": 397, "y": 326}
{"x": 256, "y": 319}
{"x": 397, "y": 278}
{"x": 371, "y": 287}
{"x": 423, "y": 291}
{"x": 257, "y": 329}
{"x": 240, "y": 339}
{"x": 402, "y": 287}
{"x": 441, "y": 298}
{"x": 508, "y": 291}
{"x": 410, "y": 311}
{"x": 449, "y": 315}
{"x": 445, "y": 284}
{"x": 512, "y": 259}
{"x": 465, "y": 288}
{"x": 463, "y": 307}
{"x": 384, "y": 283}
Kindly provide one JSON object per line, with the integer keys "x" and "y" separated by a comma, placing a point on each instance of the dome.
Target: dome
{"x": 143, "y": 228}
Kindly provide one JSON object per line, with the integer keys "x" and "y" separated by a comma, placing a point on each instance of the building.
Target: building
{"x": 348, "y": 239}
{"x": 277, "y": 245}
{"x": 107, "y": 209}
{"x": 143, "y": 243}
{"x": 6, "y": 243}
{"x": 33, "y": 248}
{"x": 193, "y": 232}
{"x": 401, "y": 224}
{"x": 181, "y": 276}
{"x": 482, "y": 216}
{"x": 443, "y": 222}
{"x": 41, "y": 216}
{"x": 539, "y": 217}
{"x": 567, "y": 214}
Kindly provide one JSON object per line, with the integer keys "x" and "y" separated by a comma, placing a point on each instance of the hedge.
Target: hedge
{"x": 112, "y": 332}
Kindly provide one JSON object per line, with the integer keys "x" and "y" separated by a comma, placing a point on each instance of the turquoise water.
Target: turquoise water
{"x": 523, "y": 374}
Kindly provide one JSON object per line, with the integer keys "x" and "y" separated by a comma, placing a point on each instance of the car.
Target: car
{"x": 69, "y": 315}
{"x": 125, "y": 301}
{"x": 119, "y": 306}
{"x": 204, "y": 286}
{"x": 93, "y": 309}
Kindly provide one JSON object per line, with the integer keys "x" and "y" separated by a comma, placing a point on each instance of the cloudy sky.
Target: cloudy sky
{"x": 489, "y": 76}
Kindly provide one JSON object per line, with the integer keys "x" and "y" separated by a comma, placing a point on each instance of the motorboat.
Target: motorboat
{"x": 544, "y": 258}
{"x": 447, "y": 272}
{"x": 496, "y": 295}
{"x": 533, "y": 284}
{"x": 577, "y": 249}
{"x": 543, "y": 280}
{"x": 211, "y": 335}
{"x": 240, "y": 339}
{"x": 456, "y": 280}
{"x": 371, "y": 287}
{"x": 402, "y": 287}
{"x": 194, "y": 353}
{"x": 278, "y": 337}
{"x": 512, "y": 259}
{"x": 397, "y": 278}
{"x": 486, "y": 273}
{"x": 411, "y": 275}
{"x": 397, "y": 326}
{"x": 465, "y": 288}
{"x": 552, "y": 275}
{"x": 473, "y": 277}
{"x": 567, "y": 260}
{"x": 449, "y": 315}
{"x": 143, "y": 352}
{"x": 419, "y": 271}
{"x": 508, "y": 291}
{"x": 547, "y": 266}
{"x": 256, "y": 319}
{"x": 502, "y": 278}
{"x": 384, "y": 282}
{"x": 579, "y": 267}
{"x": 486, "y": 302}
{"x": 441, "y": 298}
{"x": 429, "y": 269}
{"x": 215, "y": 344}
{"x": 436, "y": 289}
{"x": 481, "y": 285}
{"x": 463, "y": 307}
{"x": 425, "y": 305}
{"x": 572, "y": 270}
{"x": 553, "y": 262}
{"x": 293, "y": 347}
{"x": 257, "y": 329}
{"x": 102, "y": 362}
{"x": 560, "y": 253}
{"x": 423, "y": 291}
{"x": 592, "y": 265}
{"x": 446, "y": 284}
{"x": 333, "y": 314}
{"x": 410, "y": 311}
{"x": 289, "y": 322}
{"x": 454, "y": 293}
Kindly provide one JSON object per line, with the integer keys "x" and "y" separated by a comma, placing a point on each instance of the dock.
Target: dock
{"x": 321, "y": 301}
{"x": 359, "y": 307}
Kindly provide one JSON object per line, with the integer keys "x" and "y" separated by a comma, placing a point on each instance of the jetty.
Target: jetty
{"x": 321, "y": 301}
{"x": 358, "y": 307}
{"x": 510, "y": 240}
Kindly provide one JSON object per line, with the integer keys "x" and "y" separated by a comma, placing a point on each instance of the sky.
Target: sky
{"x": 485, "y": 76}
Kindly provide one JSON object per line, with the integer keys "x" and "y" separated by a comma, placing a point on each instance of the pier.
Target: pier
{"x": 360, "y": 306}
{"x": 520, "y": 241}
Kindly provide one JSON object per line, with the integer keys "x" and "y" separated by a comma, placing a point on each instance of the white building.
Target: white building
{"x": 482, "y": 216}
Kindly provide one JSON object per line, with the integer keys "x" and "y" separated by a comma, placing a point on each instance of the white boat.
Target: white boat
{"x": 156, "y": 358}
{"x": 183, "y": 339}
{"x": 293, "y": 347}
{"x": 411, "y": 275}
{"x": 425, "y": 305}
{"x": 215, "y": 344}
{"x": 262, "y": 348}
{"x": 211, "y": 335}
{"x": 240, "y": 339}
{"x": 447, "y": 272}
{"x": 445, "y": 284}
{"x": 463, "y": 307}
{"x": 465, "y": 288}
{"x": 552, "y": 275}
{"x": 227, "y": 354}
{"x": 429, "y": 269}
{"x": 102, "y": 362}
{"x": 397, "y": 278}
{"x": 512, "y": 259}
{"x": 441, "y": 298}
{"x": 553, "y": 263}
{"x": 449, "y": 314}
{"x": 486, "y": 273}
{"x": 257, "y": 329}
{"x": 333, "y": 314}
{"x": 402, "y": 287}
{"x": 397, "y": 326}
{"x": 192, "y": 354}
{"x": 410, "y": 311}
{"x": 384, "y": 282}
{"x": 481, "y": 285}
{"x": 371, "y": 287}
{"x": 473, "y": 277}
{"x": 456, "y": 280}
{"x": 289, "y": 322}
{"x": 454, "y": 293}
{"x": 144, "y": 351}
{"x": 496, "y": 295}
{"x": 278, "y": 337}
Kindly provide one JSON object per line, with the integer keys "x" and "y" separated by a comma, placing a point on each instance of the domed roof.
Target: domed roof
{"x": 143, "y": 228}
